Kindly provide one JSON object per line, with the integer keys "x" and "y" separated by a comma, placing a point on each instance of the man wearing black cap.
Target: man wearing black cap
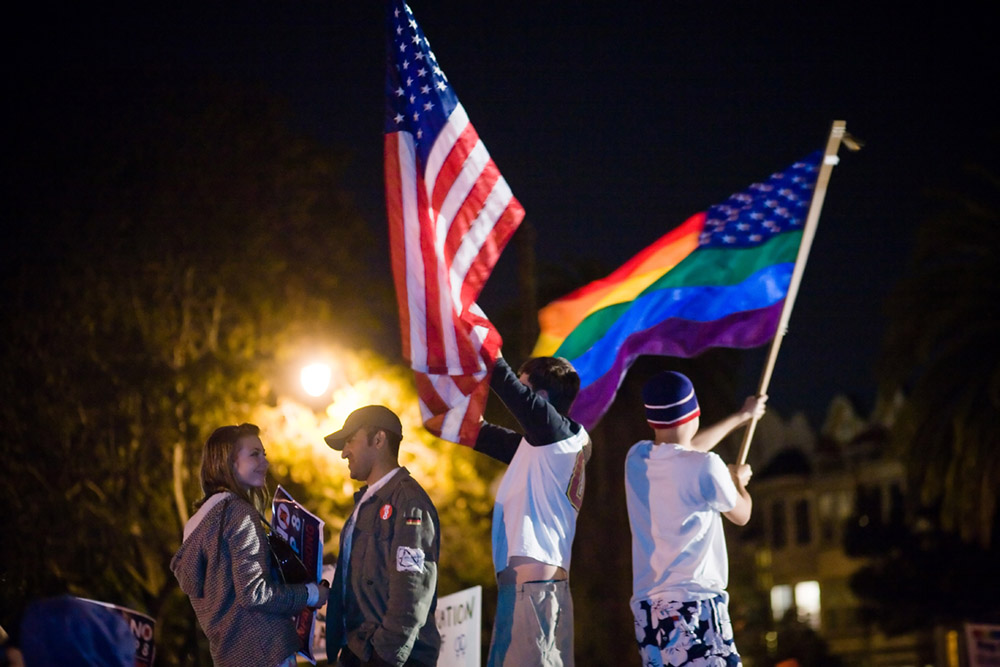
{"x": 677, "y": 490}
{"x": 384, "y": 591}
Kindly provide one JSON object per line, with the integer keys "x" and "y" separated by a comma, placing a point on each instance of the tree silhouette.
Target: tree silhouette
{"x": 937, "y": 564}
{"x": 941, "y": 355}
{"x": 918, "y": 578}
{"x": 161, "y": 244}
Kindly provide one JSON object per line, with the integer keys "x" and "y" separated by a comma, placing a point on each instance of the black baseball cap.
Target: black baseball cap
{"x": 374, "y": 416}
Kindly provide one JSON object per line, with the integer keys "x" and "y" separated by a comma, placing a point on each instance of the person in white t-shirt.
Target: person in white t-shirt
{"x": 535, "y": 512}
{"x": 677, "y": 491}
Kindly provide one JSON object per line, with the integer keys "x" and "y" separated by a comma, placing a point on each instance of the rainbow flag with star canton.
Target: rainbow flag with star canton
{"x": 718, "y": 280}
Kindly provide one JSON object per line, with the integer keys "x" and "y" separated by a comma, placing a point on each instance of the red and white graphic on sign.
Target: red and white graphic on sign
{"x": 283, "y": 515}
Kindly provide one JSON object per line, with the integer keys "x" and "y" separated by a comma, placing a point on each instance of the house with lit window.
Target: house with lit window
{"x": 805, "y": 494}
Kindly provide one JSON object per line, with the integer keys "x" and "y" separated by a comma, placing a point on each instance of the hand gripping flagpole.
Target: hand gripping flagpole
{"x": 838, "y": 134}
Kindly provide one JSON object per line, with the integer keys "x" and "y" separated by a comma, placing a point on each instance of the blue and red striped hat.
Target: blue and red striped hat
{"x": 670, "y": 400}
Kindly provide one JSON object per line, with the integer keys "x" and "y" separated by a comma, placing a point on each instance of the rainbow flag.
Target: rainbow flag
{"x": 718, "y": 280}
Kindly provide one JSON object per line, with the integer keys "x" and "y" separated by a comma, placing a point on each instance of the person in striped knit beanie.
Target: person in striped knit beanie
{"x": 677, "y": 491}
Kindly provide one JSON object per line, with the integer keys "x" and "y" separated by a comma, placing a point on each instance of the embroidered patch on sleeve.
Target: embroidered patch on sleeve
{"x": 414, "y": 521}
{"x": 409, "y": 559}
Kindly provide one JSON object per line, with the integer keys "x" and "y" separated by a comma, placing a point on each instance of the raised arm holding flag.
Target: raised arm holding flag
{"x": 721, "y": 279}
{"x": 450, "y": 215}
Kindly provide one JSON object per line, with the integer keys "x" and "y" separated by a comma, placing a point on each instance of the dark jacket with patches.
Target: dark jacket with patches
{"x": 391, "y": 592}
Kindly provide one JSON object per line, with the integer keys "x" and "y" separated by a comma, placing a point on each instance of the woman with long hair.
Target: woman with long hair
{"x": 223, "y": 564}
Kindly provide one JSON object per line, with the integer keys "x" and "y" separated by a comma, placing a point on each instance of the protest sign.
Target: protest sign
{"x": 303, "y": 531}
{"x": 983, "y": 642}
{"x": 319, "y": 648}
{"x": 142, "y": 629}
{"x": 459, "y": 620}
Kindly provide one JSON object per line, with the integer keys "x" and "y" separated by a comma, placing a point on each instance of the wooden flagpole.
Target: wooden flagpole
{"x": 837, "y": 134}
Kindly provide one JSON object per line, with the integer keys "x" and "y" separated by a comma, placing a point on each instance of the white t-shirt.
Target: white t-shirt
{"x": 674, "y": 497}
{"x": 538, "y": 501}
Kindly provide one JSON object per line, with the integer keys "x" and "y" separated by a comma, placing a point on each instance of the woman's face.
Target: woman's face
{"x": 250, "y": 466}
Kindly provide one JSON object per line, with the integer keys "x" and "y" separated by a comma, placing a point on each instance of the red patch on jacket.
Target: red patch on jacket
{"x": 385, "y": 512}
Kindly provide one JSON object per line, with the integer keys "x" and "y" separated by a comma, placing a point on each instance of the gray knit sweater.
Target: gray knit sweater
{"x": 223, "y": 567}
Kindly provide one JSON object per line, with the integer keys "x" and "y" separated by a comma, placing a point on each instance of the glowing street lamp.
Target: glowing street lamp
{"x": 315, "y": 378}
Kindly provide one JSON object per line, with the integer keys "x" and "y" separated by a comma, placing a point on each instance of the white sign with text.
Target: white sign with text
{"x": 459, "y": 620}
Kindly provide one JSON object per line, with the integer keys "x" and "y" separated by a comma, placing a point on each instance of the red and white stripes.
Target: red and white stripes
{"x": 449, "y": 219}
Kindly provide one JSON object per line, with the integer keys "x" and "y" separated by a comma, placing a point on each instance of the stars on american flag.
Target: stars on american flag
{"x": 450, "y": 214}
{"x": 422, "y": 97}
{"x": 763, "y": 210}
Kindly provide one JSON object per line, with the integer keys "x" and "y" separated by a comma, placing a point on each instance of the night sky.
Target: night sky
{"x": 614, "y": 122}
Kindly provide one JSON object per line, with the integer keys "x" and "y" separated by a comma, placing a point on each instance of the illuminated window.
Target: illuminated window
{"x": 807, "y": 602}
{"x": 781, "y": 601}
{"x": 803, "y": 597}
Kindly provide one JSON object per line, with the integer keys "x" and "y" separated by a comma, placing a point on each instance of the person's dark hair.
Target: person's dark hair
{"x": 393, "y": 439}
{"x": 556, "y": 376}
{"x": 217, "y": 461}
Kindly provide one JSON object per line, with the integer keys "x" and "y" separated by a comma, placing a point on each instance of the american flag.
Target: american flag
{"x": 450, "y": 215}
